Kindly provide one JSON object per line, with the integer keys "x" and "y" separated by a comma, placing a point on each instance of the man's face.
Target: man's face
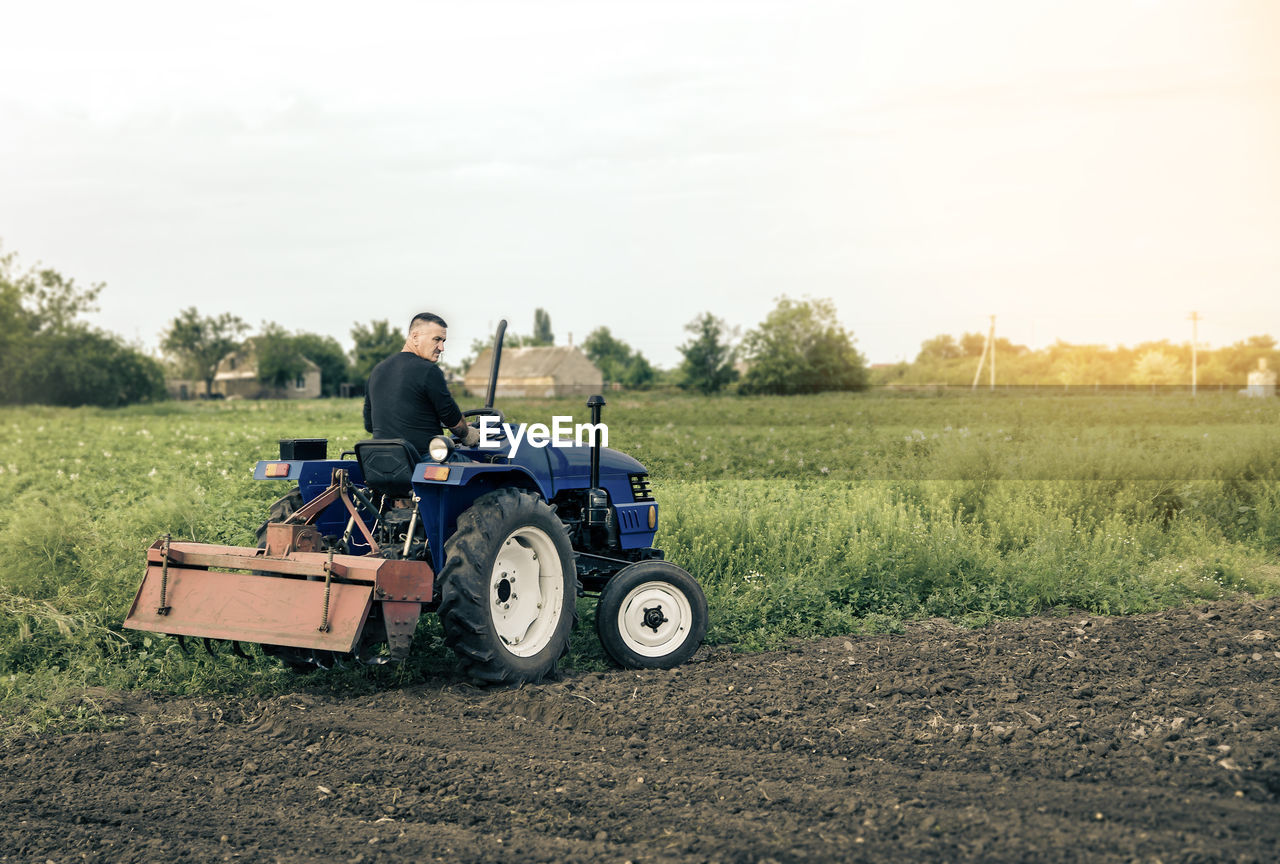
{"x": 428, "y": 341}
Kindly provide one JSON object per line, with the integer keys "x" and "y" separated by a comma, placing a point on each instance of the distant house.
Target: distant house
{"x": 1262, "y": 381}
{"x": 237, "y": 378}
{"x": 538, "y": 372}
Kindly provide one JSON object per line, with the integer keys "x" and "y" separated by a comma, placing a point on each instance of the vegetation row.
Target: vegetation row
{"x": 802, "y": 516}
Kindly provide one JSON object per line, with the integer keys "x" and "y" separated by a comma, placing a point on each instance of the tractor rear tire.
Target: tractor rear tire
{"x": 508, "y": 589}
{"x": 651, "y": 615}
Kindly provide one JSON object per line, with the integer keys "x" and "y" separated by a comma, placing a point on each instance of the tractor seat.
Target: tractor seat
{"x": 387, "y": 465}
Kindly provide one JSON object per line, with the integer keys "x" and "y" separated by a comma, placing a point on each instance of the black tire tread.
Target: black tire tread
{"x": 611, "y": 599}
{"x": 464, "y": 589}
{"x": 281, "y": 509}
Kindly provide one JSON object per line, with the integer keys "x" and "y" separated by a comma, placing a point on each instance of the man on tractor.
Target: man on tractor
{"x": 407, "y": 396}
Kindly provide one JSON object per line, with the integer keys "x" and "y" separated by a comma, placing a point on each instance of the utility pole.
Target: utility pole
{"x": 991, "y": 338}
{"x": 1195, "y": 321}
{"x": 988, "y": 347}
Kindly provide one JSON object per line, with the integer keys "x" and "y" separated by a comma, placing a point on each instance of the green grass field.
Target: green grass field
{"x": 801, "y": 516}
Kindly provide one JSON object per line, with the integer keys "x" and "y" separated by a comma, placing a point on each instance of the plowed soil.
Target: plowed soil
{"x": 1078, "y": 738}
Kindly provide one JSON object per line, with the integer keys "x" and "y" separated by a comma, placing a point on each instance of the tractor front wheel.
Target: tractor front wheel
{"x": 508, "y": 589}
{"x": 651, "y": 615}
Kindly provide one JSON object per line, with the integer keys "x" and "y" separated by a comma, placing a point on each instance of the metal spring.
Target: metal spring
{"x": 328, "y": 576}
{"x": 164, "y": 578}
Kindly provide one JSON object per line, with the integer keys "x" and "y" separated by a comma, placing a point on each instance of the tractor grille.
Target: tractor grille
{"x": 640, "y": 490}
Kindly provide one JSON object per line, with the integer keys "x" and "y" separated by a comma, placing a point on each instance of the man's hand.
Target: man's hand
{"x": 472, "y": 437}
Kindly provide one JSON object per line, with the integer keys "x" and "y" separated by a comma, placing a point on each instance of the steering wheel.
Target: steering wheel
{"x": 492, "y": 412}
{"x": 488, "y": 412}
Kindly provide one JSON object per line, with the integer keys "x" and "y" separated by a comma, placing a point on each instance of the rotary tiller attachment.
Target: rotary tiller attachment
{"x": 315, "y": 605}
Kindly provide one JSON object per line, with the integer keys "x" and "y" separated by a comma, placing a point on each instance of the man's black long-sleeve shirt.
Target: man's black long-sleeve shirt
{"x": 408, "y": 398}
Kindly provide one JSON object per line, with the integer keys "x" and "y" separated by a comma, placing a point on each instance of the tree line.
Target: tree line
{"x": 49, "y": 355}
{"x": 951, "y": 360}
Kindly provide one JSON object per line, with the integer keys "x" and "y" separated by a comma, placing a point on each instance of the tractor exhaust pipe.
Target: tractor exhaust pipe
{"x": 597, "y": 498}
{"x": 595, "y": 403}
{"x": 497, "y": 358}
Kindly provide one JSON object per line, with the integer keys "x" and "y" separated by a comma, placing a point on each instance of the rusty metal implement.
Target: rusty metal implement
{"x": 248, "y": 595}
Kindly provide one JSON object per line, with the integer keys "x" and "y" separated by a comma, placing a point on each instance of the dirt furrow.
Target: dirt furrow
{"x": 1076, "y": 738}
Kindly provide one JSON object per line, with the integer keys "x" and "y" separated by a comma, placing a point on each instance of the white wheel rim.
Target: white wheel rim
{"x": 655, "y": 619}
{"x": 526, "y": 591}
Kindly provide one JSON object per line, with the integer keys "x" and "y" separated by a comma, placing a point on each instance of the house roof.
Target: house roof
{"x": 560, "y": 362}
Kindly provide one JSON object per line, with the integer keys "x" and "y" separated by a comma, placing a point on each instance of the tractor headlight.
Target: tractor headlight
{"x": 440, "y": 448}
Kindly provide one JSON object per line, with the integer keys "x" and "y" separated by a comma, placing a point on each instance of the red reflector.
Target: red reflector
{"x": 278, "y": 469}
{"x": 435, "y": 472}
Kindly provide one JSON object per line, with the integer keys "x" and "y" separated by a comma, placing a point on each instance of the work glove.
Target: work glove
{"x": 472, "y": 438}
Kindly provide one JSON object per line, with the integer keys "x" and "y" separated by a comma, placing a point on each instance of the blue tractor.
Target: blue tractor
{"x": 499, "y": 540}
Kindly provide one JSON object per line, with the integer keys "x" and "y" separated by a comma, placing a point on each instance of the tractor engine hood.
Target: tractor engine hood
{"x": 575, "y": 462}
{"x": 568, "y": 463}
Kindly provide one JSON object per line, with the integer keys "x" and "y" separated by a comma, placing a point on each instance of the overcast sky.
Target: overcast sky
{"x": 1090, "y": 170}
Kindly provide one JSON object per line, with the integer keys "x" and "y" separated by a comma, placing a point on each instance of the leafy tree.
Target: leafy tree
{"x": 35, "y": 303}
{"x": 200, "y": 342}
{"x": 478, "y": 347}
{"x": 1071, "y": 365}
{"x": 971, "y": 344}
{"x": 14, "y": 331}
{"x": 1157, "y": 366}
{"x": 43, "y": 299}
{"x": 282, "y": 356}
{"x": 374, "y": 343}
{"x": 279, "y": 360}
{"x": 1231, "y": 364}
{"x": 481, "y": 345}
{"x": 639, "y": 374}
{"x": 708, "y": 357}
{"x": 801, "y": 348}
{"x": 49, "y": 357}
{"x": 541, "y": 337}
{"x": 1076, "y": 365}
{"x": 542, "y": 334}
{"x": 609, "y": 355}
{"x": 944, "y": 347}
{"x": 79, "y": 365}
{"x": 325, "y": 352}
{"x": 59, "y": 302}
{"x": 617, "y": 362}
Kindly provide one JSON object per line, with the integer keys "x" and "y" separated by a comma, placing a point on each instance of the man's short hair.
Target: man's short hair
{"x": 423, "y": 318}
